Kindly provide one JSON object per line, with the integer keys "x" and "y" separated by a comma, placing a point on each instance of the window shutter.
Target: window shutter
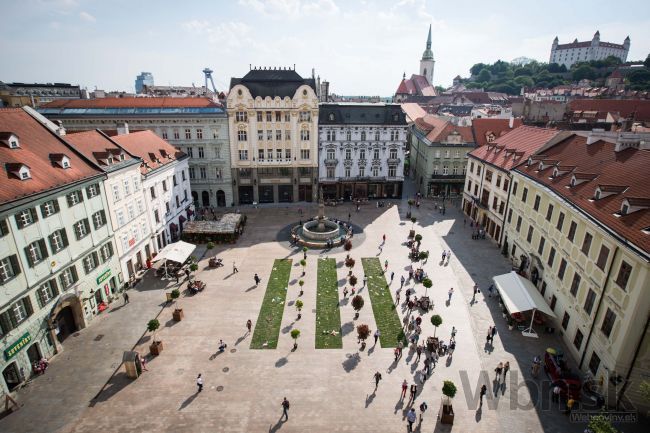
{"x": 50, "y": 239}
{"x": 32, "y": 211}
{"x": 69, "y": 199}
{"x": 54, "y": 286}
{"x": 64, "y": 236}
{"x": 27, "y": 302}
{"x": 39, "y": 296}
{"x": 75, "y": 278}
{"x": 5, "y": 323}
{"x": 43, "y": 247}
{"x": 12, "y": 318}
{"x": 29, "y": 257}
{"x": 4, "y": 228}
{"x": 19, "y": 221}
{"x": 14, "y": 264}
{"x": 87, "y": 224}
{"x": 56, "y": 205}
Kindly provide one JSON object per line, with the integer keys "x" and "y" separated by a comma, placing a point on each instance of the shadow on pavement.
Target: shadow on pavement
{"x": 118, "y": 382}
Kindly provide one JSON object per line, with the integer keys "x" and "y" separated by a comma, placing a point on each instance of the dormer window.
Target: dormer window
{"x": 21, "y": 171}
{"x": 10, "y": 140}
{"x": 24, "y": 173}
{"x": 540, "y": 167}
{"x": 530, "y": 162}
{"x": 555, "y": 172}
{"x": 573, "y": 181}
{"x": 625, "y": 209}
{"x": 60, "y": 159}
{"x": 597, "y": 194}
{"x": 13, "y": 143}
{"x": 634, "y": 204}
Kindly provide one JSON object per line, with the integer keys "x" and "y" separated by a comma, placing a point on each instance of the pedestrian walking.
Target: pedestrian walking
{"x": 494, "y": 332}
{"x": 453, "y": 333}
{"x": 414, "y": 390}
{"x": 490, "y": 289}
{"x": 488, "y": 339}
{"x": 234, "y": 268}
{"x": 537, "y": 362}
{"x": 483, "y": 392}
{"x": 498, "y": 370}
{"x": 423, "y": 408}
{"x": 427, "y": 367}
{"x": 285, "y": 409}
{"x": 475, "y": 292}
{"x": 126, "y": 298}
{"x": 384, "y": 238}
{"x": 396, "y": 352}
{"x": 345, "y": 292}
{"x": 506, "y": 368}
{"x": 452, "y": 347}
{"x": 377, "y": 335}
{"x": 448, "y": 256}
{"x": 365, "y": 278}
{"x": 392, "y": 275}
{"x": 397, "y": 297}
{"x": 257, "y": 280}
{"x": 411, "y": 416}
{"x": 400, "y": 346}
{"x": 199, "y": 382}
{"x": 187, "y": 274}
{"x": 249, "y": 325}
{"x": 377, "y": 379}
{"x": 402, "y": 281}
{"x": 143, "y": 363}
{"x": 418, "y": 350}
{"x": 405, "y": 386}
{"x": 451, "y": 292}
{"x": 444, "y": 254}
{"x": 385, "y": 265}
{"x": 178, "y": 276}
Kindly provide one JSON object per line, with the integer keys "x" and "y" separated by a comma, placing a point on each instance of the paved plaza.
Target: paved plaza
{"x": 330, "y": 390}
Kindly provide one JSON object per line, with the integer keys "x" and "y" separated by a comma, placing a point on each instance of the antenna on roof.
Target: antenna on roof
{"x": 250, "y": 66}
{"x": 294, "y": 66}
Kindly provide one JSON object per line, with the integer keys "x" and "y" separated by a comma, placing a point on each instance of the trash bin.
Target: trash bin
{"x": 132, "y": 364}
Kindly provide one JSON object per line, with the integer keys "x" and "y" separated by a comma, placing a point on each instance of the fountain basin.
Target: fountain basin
{"x": 320, "y": 230}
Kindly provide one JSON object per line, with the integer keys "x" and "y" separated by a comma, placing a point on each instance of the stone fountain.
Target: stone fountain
{"x": 320, "y": 230}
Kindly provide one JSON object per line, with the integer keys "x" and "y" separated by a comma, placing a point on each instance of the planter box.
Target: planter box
{"x": 447, "y": 414}
{"x": 411, "y": 234}
{"x": 155, "y": 348}
{"x": 178, "y": 314}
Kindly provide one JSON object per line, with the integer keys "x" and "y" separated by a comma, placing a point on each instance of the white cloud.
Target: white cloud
{"x": 87, "y": 17}
{"x": 55, "y": 25}
{"x": 228, "y": 36}
{"x": 291, "y": 8}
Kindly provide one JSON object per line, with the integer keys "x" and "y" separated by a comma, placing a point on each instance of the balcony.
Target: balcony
{"x": 394, "y": 160}
{"x": 331, "y": 161}
{"x": 281, "y": 161}
{"x": 448, "y": 176}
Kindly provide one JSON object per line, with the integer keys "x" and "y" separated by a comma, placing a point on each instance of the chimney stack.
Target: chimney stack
{"x": 122, "y": 128}
{"x": 511, "y": 122}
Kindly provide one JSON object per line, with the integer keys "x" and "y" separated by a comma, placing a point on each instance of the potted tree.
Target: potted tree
{"x": 194, "y": 267}
{"x": 363, "y": 332}
{"x": 348, "y": 245}
{"x": 295, "y": 333}
{"x": 418, "y": 239}
{"x": 304, "y": 253}
{"x": 209, "y": 245}
{"x": 423, "y": 255}
{"x": 301, "y": 283}
{"x": 427, "y": 283}
{"x": 353, "y": 281}
{"x": 412, "y": 231}
{"x": 357, "y": 304}
{"x": 299, "y": 305}
{"x": 303, "y": 263}
{"x": 178, "y": 311}
{"x": 349, "y": 263}
{"x": 436, "y": 321}
{"x": 156, "y": 346}
{"x": 449, "y": 391}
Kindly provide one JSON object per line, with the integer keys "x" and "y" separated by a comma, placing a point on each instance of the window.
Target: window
{"x": 471, "y": 167}
{"x": 514, "y": 188}
{"x": 518, "y": 227}
{"x": 9, "y": 268}
{"x": 561, "y": 270}
{"x": 190, "y": 152}
{"x": 524, "y": 195}
{"x": 241, "y": 116}
{"x": 167, "y": 209}
{"x": 529, "y": 236}
{"x": 586, "y": 244}
{"x": 509, "y": 216}
{"x": 36, "y": 252}
{"x": 90, "y": 262}
{"x": 363, "y": 135}
{"x": 347, "y": 172}
{"x": 278, "y": 135}
{"x": 348, "y": 153}
{"x": 136, "y": 183}
{"x": 119, "y": 215}
{"x": 304, "y": 134}
{"x": 4, "y": 228}
{"x": 183, "y": 174}
{"x": 58, "y": 240}
{"x": 495, "y": 201}
{"x": 259, "y": 116}
{"x": 594, "y": 363}
{"x": 589, "y": 301}
{"x": 572, "y": 231}
{"x": 49, "y": 208}
{"x": 551, "y": 257}
{"x": 575, "y": 284}
{"x": 278, "y": 116}
{"x": 218, "y": 172}
{"x": 375, "y": 154}
{"x": 203, "y": 173}
{"x": 130, "y": 209}
{"x": 287, "y": 134}
{"x": 375, "y": 171}
{"x": 156, "y": 216}
{"x": 475, "y": 186}
{"x": 201, "y": 152}
{"x": 506, "y": 184}
{"x": 623, "y": 274}
{"x": 178, "y": 202}
{"x": 469, "y": 185}
{"x": 243, "y": 156}
{"x": 553, "y": 302}
{"x": 392, "y": 135}
{"x": 393, "y": 154}
{"x": 20, "y": 311}
{"x": 177, "y": 134}
{"x": 488, "y": 175}
{"x": 608, "y": 322}
{"x": 164, "y": 134}
{"x": 540, "y": 248}
{"x": 74, "y": 198}
{"x": 498, "y": 179}
{"x": 269, "y": 116}
{"x": 565, "y": 320}
{"x": 192, "y": 172}
{"x": 348, "y": 135}
{"x": 92, "y": 190}
{"x": 46, "y": 293}
{"x": 188, "y": 134}
{"x": 81, "y": 228}
{"x": 68, "y": 277}
{"x": 287, "y": 117}
{"x": 392, "y": 171}
{"x": 330, "y": 172}
{"x": 549, "y": 212}
{"x": 502, "y": 206}
{"x": 269, "y": 135}
{"x": 362, "y": 171}
{"x": 304, "y": 153}
{"x": 560, "y": 221}
{"x": 577, "y": 341}
{"x": 438, "y": 156}
{"x": 241, "y": 135}
{"x": 602, "y": 257}
{"x": 305, "y": 116}
{"x": 106, "y": 252}
{"x": 26, "y": 217}
{"x": 536, "y": 204}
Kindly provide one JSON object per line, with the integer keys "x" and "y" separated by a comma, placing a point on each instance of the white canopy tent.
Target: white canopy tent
{"x": 519, "y": 295}
{"x": 177, "y": 252}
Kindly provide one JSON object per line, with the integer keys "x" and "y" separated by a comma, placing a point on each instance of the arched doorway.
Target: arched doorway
{"x": 205, "y": 198}
{"x": 34, "y": 353}
{"x": 67, "y": 317}
{"x": 195, "y": 198}
{"x": 12, "y": 376}
{"x": 221, "y": 198}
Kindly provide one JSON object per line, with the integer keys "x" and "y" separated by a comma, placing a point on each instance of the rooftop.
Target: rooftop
{"x": 486, "y": 129}
{"x": 272, "y": 82}
{"x": 637, "y": 109}
{"x": 98, "y": 147}
{"x": 153, "y": 150}
{"x": 132, "y": 106}
{"x": 438, "y": 129}
{"x": 361, "y": 114}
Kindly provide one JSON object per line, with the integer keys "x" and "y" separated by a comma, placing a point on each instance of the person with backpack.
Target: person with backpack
{"x": 377, "y": 379}
{"x": 285, "y": 409}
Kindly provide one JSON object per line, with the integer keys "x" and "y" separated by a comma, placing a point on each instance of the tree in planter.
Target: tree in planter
{"x": 418, "y": 239}
{"x": 156, "y": 346}
{"x": 194, "y": 267}
{"x": 299, "y": 306}
{"x": 363, "y": 332}
{"x": 349, "y": 263}
{"x": 413, "y": 220}
{"x": 210, "y": 245}
{"x": 301, "y": 283}
{"x": 295, "y": 333}
{"x": 178, "y": 311}
{"x": 427, "y": 283}
{"x": 304, "y": 253}
{"x": 357, "y": 304}
{"x": 423, "y": 255}
{"x": 448, "y": 390}
{"x": 353, "y": 281}
{"x": 303, "y": 263}
{"x": 348, "y": 245}
{"x": 436, "y": 321}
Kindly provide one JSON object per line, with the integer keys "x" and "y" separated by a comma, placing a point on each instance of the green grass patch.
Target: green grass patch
{"x": 328, "y": 316}
{"x": 382, "y": 304}
{"x": 267, "y": 328}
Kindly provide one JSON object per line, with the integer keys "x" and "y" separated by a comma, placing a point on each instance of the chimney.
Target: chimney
{"x": 60, "y": 130}
{"x": 122, "y": 128}
{"x": 511, "y": 122}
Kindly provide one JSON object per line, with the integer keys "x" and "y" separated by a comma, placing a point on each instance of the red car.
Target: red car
{"x": 570, "y": 383}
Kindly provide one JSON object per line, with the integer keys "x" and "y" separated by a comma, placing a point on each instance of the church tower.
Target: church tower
{"x": 427, "y": 63}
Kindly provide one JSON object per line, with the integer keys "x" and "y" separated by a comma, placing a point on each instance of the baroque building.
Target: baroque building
{"x": 273, "y": 120}
{"x": 362, "y": 149}
{"x": 574, "y": 52}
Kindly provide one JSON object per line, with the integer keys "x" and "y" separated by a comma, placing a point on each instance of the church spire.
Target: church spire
{"x": 429, "y": 39}
{"x": 428, "y": 54}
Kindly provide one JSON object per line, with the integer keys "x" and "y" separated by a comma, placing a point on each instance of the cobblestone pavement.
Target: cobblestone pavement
{"x": 329, "y": 390}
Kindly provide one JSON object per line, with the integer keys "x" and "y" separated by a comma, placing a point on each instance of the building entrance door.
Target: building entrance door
{"x": 147, "y": 251}
{"x": 65, "y": 323}
{"x": 221, "y": 198}
{"x": 12, "y": 376}
{"x": 205, "y": 198}
{"x": 34, "y": 354}
{"x": 129, "y": 268}
{"x": 138, "y": 258}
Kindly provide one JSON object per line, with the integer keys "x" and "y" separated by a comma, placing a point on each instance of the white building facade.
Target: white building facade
{"x": 362, "y": 148}
{"x": 574, "y": 52}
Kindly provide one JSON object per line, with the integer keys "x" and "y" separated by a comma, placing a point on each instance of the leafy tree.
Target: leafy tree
{"x": 484, "y": 75}
{"x": 357, "y": 303}
{"x": 523, "y": 72}
{"x": 440, "y": 89}
{"x": 449, "y": 389}
{"x": 474, "y": 70}
{"x": 646, "y": 62}
{"x": 152, "y": 326}
{"x": 295, "y": 333}
{"x": 584, "y": 72}
{"x": 524, "y": 81}
{"x": 436, "y": 321}
{"x": 600, "y": 424}
{"x": 353, "y": 280}
{"x": 556, "y": 69}
{"x": 363, "y": 332}
{"x": 641, "y": 76}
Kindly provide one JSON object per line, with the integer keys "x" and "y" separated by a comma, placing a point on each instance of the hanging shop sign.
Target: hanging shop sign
{"x": 12, "y": 350}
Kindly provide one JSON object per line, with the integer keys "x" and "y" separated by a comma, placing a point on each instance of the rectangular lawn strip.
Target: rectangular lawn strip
{"x": 382, "y": 304}
{"x": 328, "y": 317}
{"x": 267, "y": 328}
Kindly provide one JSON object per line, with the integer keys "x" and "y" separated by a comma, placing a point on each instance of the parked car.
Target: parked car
{"x": 556, "y": 368}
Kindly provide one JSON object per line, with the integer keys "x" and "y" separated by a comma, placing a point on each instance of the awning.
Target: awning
{"x": 176, "y": 252}
{"x": 519, "y": 294}
{"x": 182, "y": 219}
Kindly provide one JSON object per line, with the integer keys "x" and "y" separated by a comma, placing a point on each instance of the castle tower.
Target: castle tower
{"x": 427, "y": 63}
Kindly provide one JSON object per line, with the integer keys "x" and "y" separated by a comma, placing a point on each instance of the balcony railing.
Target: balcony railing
{"x": 394, "y": 160}
{"x": 331, "y": 161}
{"x": 448, "y": 176}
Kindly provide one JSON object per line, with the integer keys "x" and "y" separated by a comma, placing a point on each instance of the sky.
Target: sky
{"x": 361, "y": 47}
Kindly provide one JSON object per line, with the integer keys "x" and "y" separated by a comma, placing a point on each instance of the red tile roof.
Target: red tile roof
{"x": 627, "y": 167}
{"x": 514, "y": 147}
{"x": 413, "y": 111}
{"x": 438, "y": 129}
{"x": 132, "y": 102}
{"x": 95, "y": 146}
{"x": 37, "y": 144}
{"x": 498, "y": 127}
{"x": 416, "y": 85}
{"x": 637, "y": 109}
{"x": 154, "y": 151}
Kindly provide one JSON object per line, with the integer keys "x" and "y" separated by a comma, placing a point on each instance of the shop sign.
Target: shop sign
{"x": 104, "y": 276}
{"x": 12, "y": 350}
